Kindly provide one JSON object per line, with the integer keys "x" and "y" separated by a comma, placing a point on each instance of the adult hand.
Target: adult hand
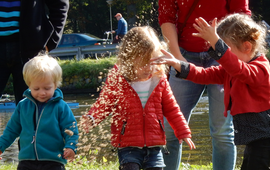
{"x": 167, "y": 58}
{"x": 116, "y": 37}
{"x": 69, "y": 154}
{"x": 190, "y": 143}
{"x": 206, "y": 31}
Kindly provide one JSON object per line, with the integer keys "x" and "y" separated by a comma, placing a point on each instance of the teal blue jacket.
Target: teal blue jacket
{"x": 44, "y": 138}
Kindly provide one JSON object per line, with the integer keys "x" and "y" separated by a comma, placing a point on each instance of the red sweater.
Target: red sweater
{"x": 247, "y": 85}
{"x": 207, "y": 9}
{"x": 133, "y": 125}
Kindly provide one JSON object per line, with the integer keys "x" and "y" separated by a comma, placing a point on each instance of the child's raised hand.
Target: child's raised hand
{"x": 167, "y": 58}
{"x": 69, "y": 154}
{"x": 206, "y": 31}
{"x": 190, "y": 143}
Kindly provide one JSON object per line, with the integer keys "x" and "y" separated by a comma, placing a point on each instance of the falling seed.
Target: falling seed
{"x": 59, "y": 155}
{"x": 69, "y": 132}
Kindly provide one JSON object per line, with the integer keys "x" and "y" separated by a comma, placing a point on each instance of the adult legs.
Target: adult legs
{"x": 19, "y": 85}
{"x": 221, "y": 130}
{"x": 11, "y": 64}
{"x": 187, "y": 95}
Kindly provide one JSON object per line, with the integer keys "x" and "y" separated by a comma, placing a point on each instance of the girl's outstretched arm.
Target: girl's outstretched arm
{"x": 167, "y": 58}
{"x": 206, "y": 31}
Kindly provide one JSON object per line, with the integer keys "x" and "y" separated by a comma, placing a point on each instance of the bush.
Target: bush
{"x": 84, "y": 74}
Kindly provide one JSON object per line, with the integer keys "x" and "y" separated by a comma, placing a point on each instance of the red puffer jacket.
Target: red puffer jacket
{"x": 132, "y": 124}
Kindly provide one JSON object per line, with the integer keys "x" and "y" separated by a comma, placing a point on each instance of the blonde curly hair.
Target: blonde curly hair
{"x": 137, "y": 48}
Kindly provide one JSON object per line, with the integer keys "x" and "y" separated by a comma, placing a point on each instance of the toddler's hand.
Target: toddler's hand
{"x": 0, "y": 154}
{"x": 69, "y": 154}
{"x": 190, "y": 143}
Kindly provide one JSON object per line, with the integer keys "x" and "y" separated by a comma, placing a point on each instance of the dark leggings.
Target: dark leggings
{"x": 135, "y": 166}
{"x": 257, "y": 155}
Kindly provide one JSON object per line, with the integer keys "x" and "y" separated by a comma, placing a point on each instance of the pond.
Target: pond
{"x": 98, "y": 141}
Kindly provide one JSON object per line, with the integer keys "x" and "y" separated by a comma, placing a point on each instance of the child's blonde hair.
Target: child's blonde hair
{"x": 238, "y": 28}
{"x": 139, "y": 43}
{"x": 40, "y": 67}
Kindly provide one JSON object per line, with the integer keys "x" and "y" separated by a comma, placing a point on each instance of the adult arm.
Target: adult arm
{"x": 170, "y": 35}
{"x": 58, "y": 10}
{"x": 167, "y": 19}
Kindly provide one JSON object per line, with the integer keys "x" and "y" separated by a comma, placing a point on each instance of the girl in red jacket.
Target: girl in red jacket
{"x": 138, "y": 96}
{"x": 245, "y": 72}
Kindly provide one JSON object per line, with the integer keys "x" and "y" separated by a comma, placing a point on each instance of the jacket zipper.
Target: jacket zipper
{"x": 35, "y": 134}
{"x": 123, "y": 128}
{"x": 144, "y": 128}
{"x": 161, "y": 125}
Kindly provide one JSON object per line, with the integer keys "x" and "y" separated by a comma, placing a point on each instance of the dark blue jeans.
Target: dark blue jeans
{"x": 11, "y": 64}
{"x": 40, "y": 165}
{"x": 146, "y": 158}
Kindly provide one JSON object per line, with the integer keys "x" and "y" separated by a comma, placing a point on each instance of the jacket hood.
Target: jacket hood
{"x": 56, "y": 96}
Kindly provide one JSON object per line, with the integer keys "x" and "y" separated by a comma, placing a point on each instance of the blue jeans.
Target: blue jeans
{"x": 145, "y": 157}
{"x": 187, "y": 95}
{"x": 40, "y": 165}
{"x": 11, "y": 64}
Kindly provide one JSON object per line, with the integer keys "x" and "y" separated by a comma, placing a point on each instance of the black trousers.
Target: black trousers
{"x": 11, "y": 64}
{"x": 40, "y": 165}
{"x": 120, "y": 37}
{"x": 257, "y": 155}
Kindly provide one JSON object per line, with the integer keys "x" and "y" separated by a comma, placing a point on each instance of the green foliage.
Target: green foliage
{"x": 93, "y": 16}
{"x": 76, "y": 73}
{"x": 80, "y": 72}
{"x": 86, "y": 67}
{"x": 81, "y": 163}
{"x": 268, "y": 55}
{"x": 259, "y": 9}
{"x": 8, "y": 167}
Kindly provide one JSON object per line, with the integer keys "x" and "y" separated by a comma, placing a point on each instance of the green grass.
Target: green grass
{"x": 83, "y": 164}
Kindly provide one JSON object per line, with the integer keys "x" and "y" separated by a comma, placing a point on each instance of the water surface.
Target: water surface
{"x": 99, "y": 143}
